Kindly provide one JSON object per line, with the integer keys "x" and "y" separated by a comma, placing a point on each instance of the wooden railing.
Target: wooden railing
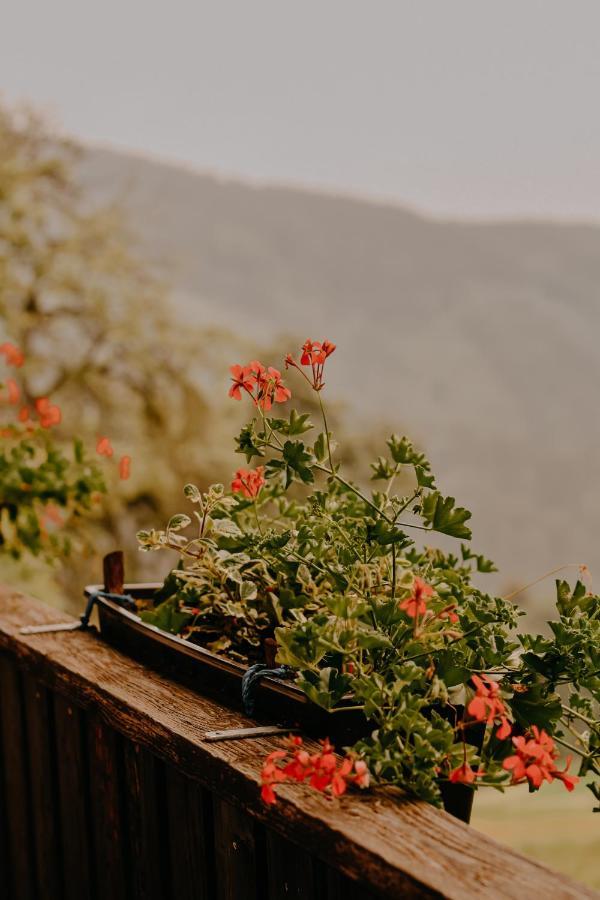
{"x": 108, "y": 790}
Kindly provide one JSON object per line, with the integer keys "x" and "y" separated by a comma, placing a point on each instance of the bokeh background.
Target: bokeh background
{"x": 193, "y": 184}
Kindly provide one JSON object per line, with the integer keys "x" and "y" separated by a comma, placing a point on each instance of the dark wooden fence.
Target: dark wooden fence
{"x": 107, "y": 790}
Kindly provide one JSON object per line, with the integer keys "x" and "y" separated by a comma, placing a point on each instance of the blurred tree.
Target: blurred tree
{"x": 97, "y": 333}
{"x": 100, "y": 336}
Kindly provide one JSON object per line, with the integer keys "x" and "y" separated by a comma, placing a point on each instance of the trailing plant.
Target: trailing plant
{"x": 368, "y": 615}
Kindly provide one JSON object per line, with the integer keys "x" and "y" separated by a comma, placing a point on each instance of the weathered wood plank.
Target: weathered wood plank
{"x": 4, "y": 828}
{"x": 43, "y": 784}
{"x": 21, "y": 848}
{"x": 191, "y": 846}
{"x": 239, "y": 874}
{"x": 112, "y": 868}
{"x": 392, "y": 845}
{"x": 148, "y": 854}
{"x": 290, "y": 870}
{"x": 331, "y": 885}
{"x": 73, "y": 800}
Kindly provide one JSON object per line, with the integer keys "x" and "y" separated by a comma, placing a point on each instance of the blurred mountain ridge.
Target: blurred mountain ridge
{"x": 479, "y": 339}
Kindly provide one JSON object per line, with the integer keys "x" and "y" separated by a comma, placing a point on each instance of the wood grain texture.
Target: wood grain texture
{"x": 290, "y": 870}
{"x": 191, "y": 847}
{"x": 42, "y": 777}
{"x": 147, "y": 848}
{"x": 105, "y": 768}
{"x": 240, "y": 870}
{"x": 74, "y": 800}
{"x": 393, "y": 846}
{"x": 21, "y": 849}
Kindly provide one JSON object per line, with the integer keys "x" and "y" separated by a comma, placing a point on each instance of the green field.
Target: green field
{"x": 552, "y": 826}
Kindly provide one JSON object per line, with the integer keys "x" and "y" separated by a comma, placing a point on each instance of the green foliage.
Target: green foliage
{"x": 441, "y": 515}
{"x": 42, "y": 489}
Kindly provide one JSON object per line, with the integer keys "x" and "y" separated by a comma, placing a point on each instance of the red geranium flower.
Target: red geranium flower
{"x": 569, "y": 781}
{"x": 535, "y": 761}
{"x": 14, "y": 391}
{"x": 314, "y": 354}
{"x": 262, "y": 384}
{"x": 249, "y": 482}
{"x": 24, "y": 414}
{"x": 104, "y": 447}
{"x": 243, "y": 380}
{"x": 415, "y": 605}
{"x": 487, "y": 705}
{"x": 464, "y": 774}
{"x": 124, "y": 467}
{"x": 14, "y": 356}
{"x": 49, "y": 413}
{"x": 271, "y": 389}
{"x": 320, "y": 769}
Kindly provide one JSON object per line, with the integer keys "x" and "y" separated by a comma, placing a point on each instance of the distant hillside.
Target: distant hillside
{"x": 484, "y": 338}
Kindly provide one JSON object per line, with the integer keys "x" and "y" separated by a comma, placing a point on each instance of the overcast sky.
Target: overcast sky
{"x": 456, "y": 107}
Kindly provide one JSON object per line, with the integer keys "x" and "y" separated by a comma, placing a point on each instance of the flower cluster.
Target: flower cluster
{"x": 535, "y": 761}
{"x": 314, "y": 354}
{"x": 249, "y": 482}
{"x": 416, "y": 603}
{"x": 487, "y": 705}
{"x": 321, "y": 770}
{"x": 48, "y": 414}
{"x": 263, "y": 384}
{"x": 12, "y": 354}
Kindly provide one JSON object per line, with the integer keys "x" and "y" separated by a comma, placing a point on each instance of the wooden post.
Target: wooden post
{"x": 114, "y": 576}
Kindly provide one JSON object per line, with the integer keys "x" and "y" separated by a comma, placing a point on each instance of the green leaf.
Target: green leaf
{"x": 404, "y": 453}
{"x": 167, "y": 616}
{"x": 177, "y": 522}
{"x": 373, "y": 640}
{"x": 424, "y": 478}
{"x": 320, "y": 447}
{"x": 536, "y": 707}
{"x": 385, "y": 534}
{"x": 382, "y": 469}
{"x": 192, "y": 493}
{"x": 482, "y": 564}
{"x": 248, "y": 591}
{"x": 246, "y": 443}
{"x": 297, "y": 462}
{"x": 298, "y": 424}
{"x": 441, "y": 515}
{"x": 568, "y": 602}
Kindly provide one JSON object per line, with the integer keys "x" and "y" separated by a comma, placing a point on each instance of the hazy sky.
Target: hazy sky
{"x": 459, "y": 107}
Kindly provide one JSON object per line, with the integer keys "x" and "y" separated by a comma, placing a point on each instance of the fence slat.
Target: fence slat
{"x": 148, "y": 842}
{"x": 16, "y": 784}
{"x": 238, "y": 870}
{"x": 190, "y": 838}
{"x": 112, "y": 869}
{"x": 73, "y": 800}
{"x": 291, "y": 870}
{"x": 5, "y": 866}
{"x": 42, "y": 780}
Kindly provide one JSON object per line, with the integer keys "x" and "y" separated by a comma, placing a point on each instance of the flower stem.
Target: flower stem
{"x": 258, "y": 525}
{"x": 326, "y": 431}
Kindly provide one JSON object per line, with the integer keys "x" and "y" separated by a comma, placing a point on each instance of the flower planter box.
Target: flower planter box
{"x": 277, "y": 700}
